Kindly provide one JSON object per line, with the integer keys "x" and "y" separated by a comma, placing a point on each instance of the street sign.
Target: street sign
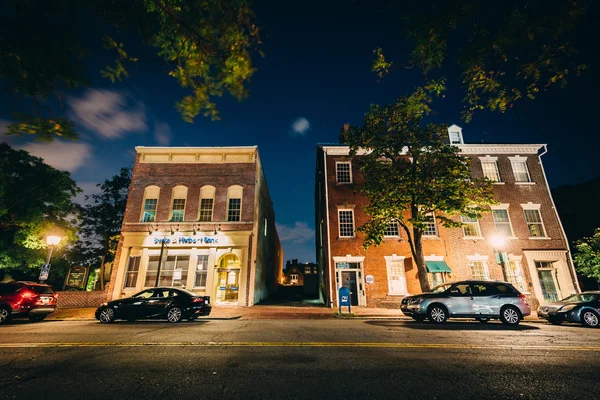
{"x": 44, "y": 272}
{"x": 344, "y": 298}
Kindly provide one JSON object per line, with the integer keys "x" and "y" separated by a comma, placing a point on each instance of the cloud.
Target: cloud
{"x": 109, "y": 113}
{"x": 298, "y": 233}
{"x": 68, "y": 156}
{"x": 300, "y": 127}
{"x": 162, "y": 133}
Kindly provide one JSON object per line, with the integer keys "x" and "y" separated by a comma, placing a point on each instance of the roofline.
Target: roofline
{"x": 476, "y": 148}
{"x": 153, "y": 149}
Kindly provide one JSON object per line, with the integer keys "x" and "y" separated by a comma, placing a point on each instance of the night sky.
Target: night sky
{"x": 314, "y": 77}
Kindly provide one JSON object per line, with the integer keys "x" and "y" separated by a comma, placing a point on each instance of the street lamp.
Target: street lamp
{"x": 52, "y": 241}
{"x": 498, "y": 243}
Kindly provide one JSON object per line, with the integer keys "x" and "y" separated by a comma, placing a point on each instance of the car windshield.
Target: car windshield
{"x": 42, "y": 289}
{"x": 581, "y": 297}
{"x": 441, "y": 288}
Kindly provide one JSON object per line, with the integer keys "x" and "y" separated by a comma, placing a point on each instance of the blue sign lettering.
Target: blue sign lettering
{"x": 186, "y": 240}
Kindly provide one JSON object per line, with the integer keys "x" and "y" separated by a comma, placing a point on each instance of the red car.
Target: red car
{"x": 26, "y": 299}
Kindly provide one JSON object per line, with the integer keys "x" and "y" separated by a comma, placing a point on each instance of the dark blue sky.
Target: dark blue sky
{"x": 316, "y": 68}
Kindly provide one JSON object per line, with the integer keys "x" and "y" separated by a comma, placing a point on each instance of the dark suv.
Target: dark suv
{"x": 26, "y": 299}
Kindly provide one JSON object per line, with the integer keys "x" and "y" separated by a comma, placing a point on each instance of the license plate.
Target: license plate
{"x": 45, "y": 300}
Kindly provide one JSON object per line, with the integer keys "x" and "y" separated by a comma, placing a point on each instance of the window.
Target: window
{"x": 178, "y": 210}
{"x": 519, "y": 166}
{"x": 455, "y": 135}
{"x": 502, "y": 222}
{"x": 234, "y": 205}
{"x": 307, "y": 270}
{"x": 346, "y": 223}
{"x": 201, "y": 271}
{"x": 174, "y": 271}
{"x": 392, "y": 229}
{"x": 436, "y": 278}
{"x": 478, "y": 270}
{"x": 430, "y": 228}
{"x": 150, "y": 204}
{"x": 470, "y": 226}
{"x": 514, "y": 274}
{"x": 396, "y": 277}
{"x": 534, "y": 223}
{"x": 343, "y": 172}
{"x": 490, "y": 169}
{"x": 207, "y": 196}
{"x": 151, "y": 271}
{"x": 294, "y": 278}
{"x": 131, "y": 274}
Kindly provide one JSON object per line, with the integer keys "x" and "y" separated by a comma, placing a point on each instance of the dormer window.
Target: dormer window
{"x": 455, "y": 135}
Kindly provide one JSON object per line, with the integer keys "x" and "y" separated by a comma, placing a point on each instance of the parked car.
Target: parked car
{"x": 156, "y": 303}
{"x": 583, "y": 308}
{"x": 26, "y": 299}
{"x": 482, "y": 300}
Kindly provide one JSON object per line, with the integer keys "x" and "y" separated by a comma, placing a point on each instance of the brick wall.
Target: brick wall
{"x": 77, "y": 299}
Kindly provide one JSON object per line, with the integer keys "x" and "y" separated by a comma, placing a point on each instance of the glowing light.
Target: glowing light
{"x": 498, "y": 241}
{"x": 53, "y": 240}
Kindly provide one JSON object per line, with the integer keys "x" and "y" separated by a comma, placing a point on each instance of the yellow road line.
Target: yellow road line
{"x": 446, "y": 346}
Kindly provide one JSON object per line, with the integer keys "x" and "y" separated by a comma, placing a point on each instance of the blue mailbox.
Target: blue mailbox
{"x": 345, "y": 298}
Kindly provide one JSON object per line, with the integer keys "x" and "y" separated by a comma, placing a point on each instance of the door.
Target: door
{"x": 548, "y": 285}
{"x": 134, "y": 307}
{"x": 228, "y": 285}
{"x": 460, "y": 300}
{"x": 157, "y": 304}
{"x": 349, "y": 281}
{"x": 483, "y": 299}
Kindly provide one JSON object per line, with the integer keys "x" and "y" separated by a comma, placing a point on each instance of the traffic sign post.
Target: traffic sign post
{"x": 44, "y": 273}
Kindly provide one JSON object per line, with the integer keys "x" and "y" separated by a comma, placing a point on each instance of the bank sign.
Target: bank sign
{"x": 187, "y": 240}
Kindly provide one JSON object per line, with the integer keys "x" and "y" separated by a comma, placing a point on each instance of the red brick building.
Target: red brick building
{"x": 202, "y": 219}
{"x": 534, "y": 253}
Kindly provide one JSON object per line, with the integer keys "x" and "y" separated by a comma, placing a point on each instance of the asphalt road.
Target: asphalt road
{"x": 304, "y": 359}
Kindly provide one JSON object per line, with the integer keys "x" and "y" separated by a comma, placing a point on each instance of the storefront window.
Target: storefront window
{"x": 201, "y": 271}
{"x": 174, "y": 271}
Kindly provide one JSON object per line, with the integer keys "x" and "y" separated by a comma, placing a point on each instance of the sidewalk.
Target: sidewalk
{"x": 259, "y": 312}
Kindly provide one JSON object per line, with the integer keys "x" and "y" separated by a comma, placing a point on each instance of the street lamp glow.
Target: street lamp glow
{"x": 498, "y": 241}
{"x": 53, "y": 240}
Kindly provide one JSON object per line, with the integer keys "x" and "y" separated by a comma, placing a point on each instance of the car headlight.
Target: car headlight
{"x": 568, "y": 307}
{"x": 104, "y": 304}
{"x": 417, "y": 300}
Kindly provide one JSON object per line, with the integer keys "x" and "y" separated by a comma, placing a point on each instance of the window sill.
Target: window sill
{"x": 473, "y": 238}
{"x": 499, "y": 183}
{"x": 346, "y": 237}
{"x": 430, "y": 237}
{"x": 524, "y": 183}
{"x": 539, "y": 238}
{"x": 343, "y": 183}
{"x": 398, "y": 294}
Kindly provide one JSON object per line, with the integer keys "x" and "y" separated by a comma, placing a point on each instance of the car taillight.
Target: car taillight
{"x": 55, "y": 295}
{"x": 198, "y": 300}
{"x": 26, "y": 294}
{"x": 523, "y": 297}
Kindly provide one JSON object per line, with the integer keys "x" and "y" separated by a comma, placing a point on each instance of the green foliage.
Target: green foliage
{"x": 35, "y": 201}
{"x": 411, "y": 173}
{"x": 587, "y": 257}
{"x": 505, "y": 51}
{"x": 206, "y": 45}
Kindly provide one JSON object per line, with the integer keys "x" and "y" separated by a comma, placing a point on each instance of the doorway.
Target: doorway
{"x": 349, "y": 281}
{"x": 228, "y": 279}
{"x": 546, "y": 272}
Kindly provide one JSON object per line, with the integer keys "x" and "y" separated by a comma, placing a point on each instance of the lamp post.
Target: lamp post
{"x": 51, "y": 241}
{"x": 498, "y": 243}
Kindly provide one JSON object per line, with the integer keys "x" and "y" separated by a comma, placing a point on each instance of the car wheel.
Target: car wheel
{"x": 437, "y": 314}
{"x": 174, "y": 314}
{"x": 509, "y": 315}
{"x": 590, "y": 319}
{"x": 4, "y": 314}
{"x": 483, "y": 320}
{"x": 107, "y": 315}
{"x": 419, "y": 319}
{"x": 36, "y": 318}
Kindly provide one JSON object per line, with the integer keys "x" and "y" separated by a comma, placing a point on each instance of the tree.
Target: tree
{"x": 505, "y": 51}
{"x": 35, "y": 201}
{"x": 101, "y": 221}
{"x": 411, "y": 175}
{"x": 587, "y": 257}
{"x": 205, "y": 45}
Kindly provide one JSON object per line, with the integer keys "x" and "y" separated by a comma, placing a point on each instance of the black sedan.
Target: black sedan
{"x": 156, "y": 303}
{"x": 583, "y": 308}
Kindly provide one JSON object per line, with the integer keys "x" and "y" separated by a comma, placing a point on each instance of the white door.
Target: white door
{"x": 396, "y": 277}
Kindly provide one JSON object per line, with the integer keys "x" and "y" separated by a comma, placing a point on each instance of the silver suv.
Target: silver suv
{"x": 482, "y": 300}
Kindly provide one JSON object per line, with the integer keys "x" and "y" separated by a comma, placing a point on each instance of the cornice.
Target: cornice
{"x": 481, "y": 149}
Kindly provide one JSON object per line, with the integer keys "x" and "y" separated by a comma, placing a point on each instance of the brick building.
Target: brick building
{"x": 535, "y": 251}
{"x": 202, "y": 219}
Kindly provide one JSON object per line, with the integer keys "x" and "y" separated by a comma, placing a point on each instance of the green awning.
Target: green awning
{"x": 437, "y": 266}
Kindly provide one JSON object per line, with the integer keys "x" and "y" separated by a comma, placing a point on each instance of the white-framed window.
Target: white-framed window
{"x": 150, "y": 204}
{"x": 346, "y": 223}
{"x": 396, "y": 276}
{"x": 201, "y": 271}
{"x": 430, "y": 228}
{"x": 234, "y": 204}
{"x": 502, "y": 221}
{"x": 178, "y": 203}
{"x": 519, "y": 166}
{"x": 489, "y": 165}
{"x": 392, "y": 230}
{"x": 174, "y": 271}
{"x": 307, "y": 270}
{"x": 132, "y": 271}
{"x": 151, "y": 271}
{"x": 343, "y": 171}
{"x": 294, "y": 278}
{"x": 514, "y": 274}
{"x": 479, "y": 269}
{"x": 207, "y": 201}
{"x": 470, "y": 226}
{"x": 455, "y": 135}
{"x": 436, "y": 278}
{"x": 533, "y": 218}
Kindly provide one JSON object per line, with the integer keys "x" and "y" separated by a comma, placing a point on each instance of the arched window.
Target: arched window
{"x": 178, "y": 203}
{"x": 207, "y": 200}
{"x": 234, "y": 203}
{"x": 150, "y": 204}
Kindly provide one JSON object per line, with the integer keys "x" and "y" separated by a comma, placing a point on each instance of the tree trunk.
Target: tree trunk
{"x": 102, "y": 272}
{"x": 420, "y": 261}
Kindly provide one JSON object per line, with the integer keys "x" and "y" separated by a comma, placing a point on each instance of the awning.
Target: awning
{"x": 437, "y": 266}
